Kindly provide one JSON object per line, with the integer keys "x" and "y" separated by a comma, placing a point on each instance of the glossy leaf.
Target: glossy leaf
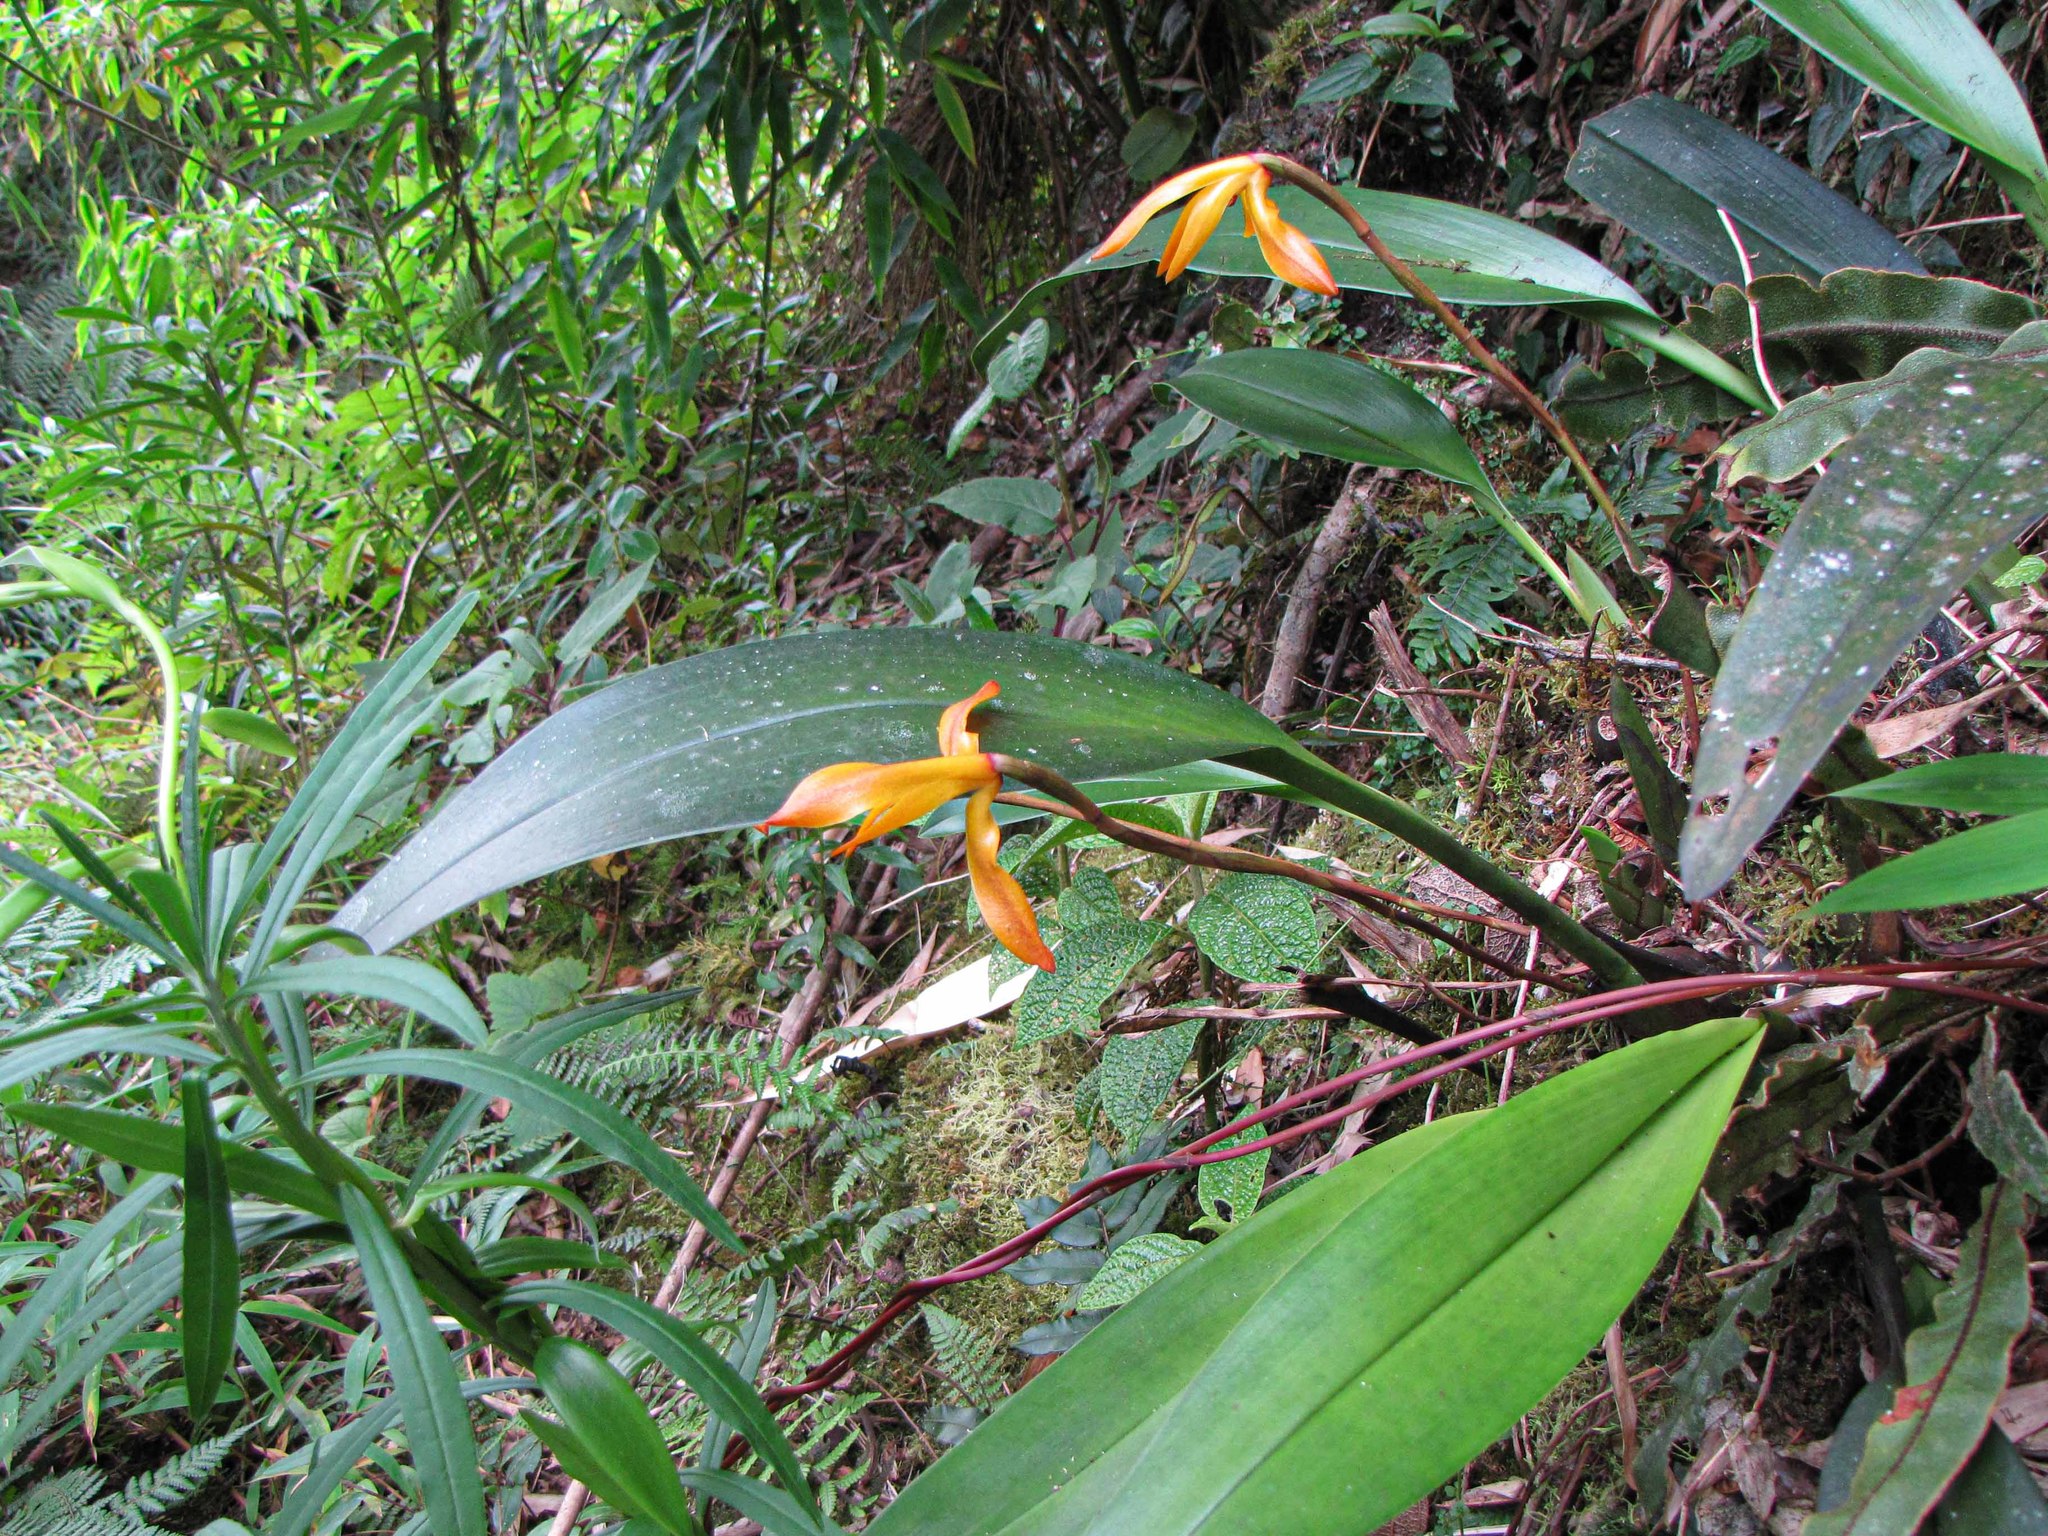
{"x": 1330, "y": 1361}
{"x": 1984, "y": 784}
{"x": 2003, "y": 858}
{"x": 1955, "y": 1368}
{"x": 682, "y": 1350}
{"x": 212, "y": 1286}
{"x": 411, "y": 984}
{"x": 612, "y": 1442}
{"x": 589, "y": 1119}
{"x": 437, "y": 1427}
{"x": 716, "y": 741}
{"x": 1928, "y": 57}
{"x": 1467, "y": 256}
{"x": 1905, "y": 515}
{"x": 1319, "y": 402}
{"x": 1664, "y": 170}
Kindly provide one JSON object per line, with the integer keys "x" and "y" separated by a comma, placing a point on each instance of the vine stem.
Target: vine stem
{"x": 1299, "y": 175}
{"x": 1470, "y": 1047}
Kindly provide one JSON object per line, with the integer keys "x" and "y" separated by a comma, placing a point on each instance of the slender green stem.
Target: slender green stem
{"x": 1301, "y": 176}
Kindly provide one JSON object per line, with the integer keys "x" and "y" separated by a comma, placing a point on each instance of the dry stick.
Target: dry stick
{"x": 1305, "y": 600}
{"x": 1309, "y": 182}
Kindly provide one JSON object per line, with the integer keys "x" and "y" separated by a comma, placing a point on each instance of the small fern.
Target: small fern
{"x": 894, "y": 1224}
{"x": 1469, "y": 564}
{"x": 806, "y": 1243}
{"x": 968, "y": 1358}
{"x": 75, "y": 1503}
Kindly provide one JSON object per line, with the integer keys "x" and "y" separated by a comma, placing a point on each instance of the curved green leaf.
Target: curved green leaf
{"x": 1333, "y": 1358}
{"x": 437, "y": 1427}
{"x": 2004, "y": 858}
{"x": 768, "y": 1507}
{"x": 1927, "y": 56}
{"x": 1664, "y": 170}
{"x": 588, "y": 1118}
{"x": 1467, "y": 256}
{"x": 684, "y": 1351}
{"x": 411, "y": 984}
{"x": 150, "y": 1144}
{"x": 25, "y": 1062}
{"x": 1905, "y": 515}
{"x": 715, "y": 741}
{"x": 1986, "y": 783}
{"x": 613, "y": 1443}
{"x": 250, "y": 729}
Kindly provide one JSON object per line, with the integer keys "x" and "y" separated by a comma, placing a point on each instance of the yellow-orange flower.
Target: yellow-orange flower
{"x": 1210, "y": 189}
{"x": 892, "y": 795}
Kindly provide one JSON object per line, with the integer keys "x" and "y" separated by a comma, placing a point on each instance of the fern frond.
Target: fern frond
{"x": 966, "y": 1357}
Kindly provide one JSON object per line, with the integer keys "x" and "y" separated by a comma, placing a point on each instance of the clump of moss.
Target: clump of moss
{"x": 995, "y": 1123}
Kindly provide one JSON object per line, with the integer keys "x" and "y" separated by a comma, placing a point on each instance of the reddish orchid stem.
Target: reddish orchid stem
{"x": 1476, "y": 1045}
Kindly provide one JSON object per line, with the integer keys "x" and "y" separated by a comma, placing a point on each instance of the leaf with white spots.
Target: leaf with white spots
{"x": 1131, "y": 1267}
{"x": 1258, "y": 927}
{"x": 1908, "y": 511}
{"x": 1139, "y": 1071}
{"x": 1093, "y": 963}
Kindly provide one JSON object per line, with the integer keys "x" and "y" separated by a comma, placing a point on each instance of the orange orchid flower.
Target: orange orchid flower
{"x": 892, "y": 795}
{"x": 1210, "y": 189}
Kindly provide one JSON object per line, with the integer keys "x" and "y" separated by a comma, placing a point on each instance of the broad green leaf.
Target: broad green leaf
{"x": 1905, "y": 515}
{"x": 1993, "y": 1492}
{"x": 1156, "y": 142}
{"x": 1664, "y": 170}
{"x": 1955, "y": 1368}
{"x": 589, "y": 1119}
{"x": 1139, "y": 1071}
{"x": 1327, "y": 1363}
{"x": 695, "y": 1362}
{"x": 1352, "y": 75}
{"x": 212, "y": 1286}
{"x": 1426, "y": 82}
{"x": 600, "y": 616}
{"x": 2003, "y": 858}
{"x": 770, "y": 1508}
{"x": 437, "y": 1427}
{"x": 1258, "y": 927}
{"x": 1134, "y": 1267}
{"x": 716, "y": 741}
{"x": 1014, "y": 369}
{"x": 1322, "y": 403}
{"x": 1928, "y": 57}
{"x": 1228, "y": 1192}
{"x": 618, "y": 1448}
{"x": 250, "y": 729}
{"x": 1027, "y": 506}
{"x": 1467, "y": 256}
{"x": 1093, "y": 963}
{"x": 1813, "y": 426}
{"x": 149, "y": 1144}
{"x": 1985, "y": 784}
{"x": 410, "y": 984}
{"x": 2002, "y": 1126}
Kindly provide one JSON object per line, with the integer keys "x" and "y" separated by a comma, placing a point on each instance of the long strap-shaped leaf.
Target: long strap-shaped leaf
{"x": 212, "y": 1274}
{"x": 588, "y": 1118}
{"x": 1335, "y": 1357}
{"x": 437, "y": 1426}
{"x": 680, "y": 1348}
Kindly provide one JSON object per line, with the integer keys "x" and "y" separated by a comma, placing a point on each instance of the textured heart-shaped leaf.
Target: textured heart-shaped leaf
{"x": 1906, "y": 514}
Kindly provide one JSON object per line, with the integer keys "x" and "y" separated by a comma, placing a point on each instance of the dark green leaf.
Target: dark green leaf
{"x": 1258, "y": 927}
{"x": 1664, "y": 169}
{"x": 592, "y": 1121}
{"x": 1426, "y": 82}
{"x": 1903, "y": 517}
{"x": 1093, "y": 963}
{"x": 437, "y": 1427}
{"x": 1027, "y": 506}
{"x": 717, "y": 740}
{"x": 1156, "y": 142}
{"x": 1139, "y": 1071}
{"x": 149, "y": 1144}
{"x": 1332, "y": 1360}
{"x": 212, "y": 1285}
{"x": 1352, "y": 75}
{"x": 2002, "y": 1126}
{"x": 410, "y": 984}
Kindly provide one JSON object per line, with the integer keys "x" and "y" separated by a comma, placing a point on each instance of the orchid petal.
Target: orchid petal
{"x": 1198, "y": 222}
{"x": 1164, "y": 196}
{"x": 890, "y": 795}
{"x": 1004, "y": 906}
{"x": 1291, "y": 254}
{"x": 955, "y": 738}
